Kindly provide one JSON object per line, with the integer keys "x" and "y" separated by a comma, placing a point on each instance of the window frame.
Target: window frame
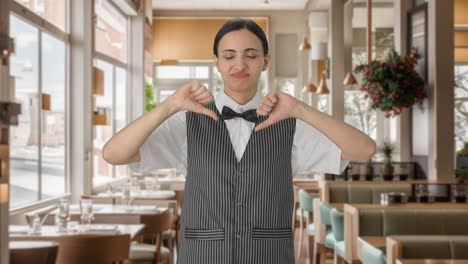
{"x": 114, "y": 62}
{"x": 42, "y": 25}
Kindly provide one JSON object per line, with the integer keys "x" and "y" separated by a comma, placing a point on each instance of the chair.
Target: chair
{"x": 337, "y": 226}
{"x": 168, "y": 236}
{"x": 155, "y": 225}
{"x": 306, "y": 205}
{"x": 326, "y": 244}
{"x": 179, "y": 198}
{"x": 43, "y": 252}
{"x": 97, "y": 248}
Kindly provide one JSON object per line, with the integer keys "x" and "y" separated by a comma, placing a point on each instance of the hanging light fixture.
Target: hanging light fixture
{"x": 323, "y": 88}
{"x": 305, "y": 45}
{"x": 350, "y": 79}
{"x": 309, "y": 88}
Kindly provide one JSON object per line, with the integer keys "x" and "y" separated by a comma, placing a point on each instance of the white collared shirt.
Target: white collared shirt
{"x": 166, "y": 147}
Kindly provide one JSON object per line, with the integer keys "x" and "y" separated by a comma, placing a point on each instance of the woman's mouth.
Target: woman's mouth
{"x": 240, "y": 75}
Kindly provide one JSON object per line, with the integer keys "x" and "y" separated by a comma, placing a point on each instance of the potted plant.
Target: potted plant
{"x": 459, "y": 189}
{"x": 462, "y": 157}
{"x": 353, "y": 172}
{"x": 461, "y": 174}
{"x": 393, "y": 84}
{"x": 387, "y": 150}
{"x": 149, "y": 97}
{"x": 367, "y": 170}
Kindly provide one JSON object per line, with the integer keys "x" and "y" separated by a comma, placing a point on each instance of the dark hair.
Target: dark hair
{"x": 238, "y": 24}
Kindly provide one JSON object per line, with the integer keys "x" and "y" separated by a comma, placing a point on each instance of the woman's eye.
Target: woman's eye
{"x": 252, "y": 57}
{"x": 228, "y": 58}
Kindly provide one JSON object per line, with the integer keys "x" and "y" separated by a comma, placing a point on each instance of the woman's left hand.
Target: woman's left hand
{"x": 277, "y": 106}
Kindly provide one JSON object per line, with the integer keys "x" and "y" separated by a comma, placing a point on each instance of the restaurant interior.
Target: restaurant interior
{"x": 74, "y": 73}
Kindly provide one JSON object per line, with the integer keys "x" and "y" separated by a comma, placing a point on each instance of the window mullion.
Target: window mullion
{"x": 39, "y": 116}
{"x": 114, "y": 111}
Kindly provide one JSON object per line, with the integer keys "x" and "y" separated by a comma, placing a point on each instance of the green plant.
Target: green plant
{"x": 461, "y": 174}
{"x": 368, "y": 162}
{"x": 464, "y": 151}
{"x": 149, "y": 97}
{"x": 387, "y": 150}
{"x": 393, "y": 84}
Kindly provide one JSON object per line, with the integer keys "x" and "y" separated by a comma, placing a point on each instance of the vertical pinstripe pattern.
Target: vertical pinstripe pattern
{"x": 237, "y": 212}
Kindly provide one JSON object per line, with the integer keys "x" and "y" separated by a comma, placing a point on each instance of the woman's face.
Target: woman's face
{"x": 240, "y": 60}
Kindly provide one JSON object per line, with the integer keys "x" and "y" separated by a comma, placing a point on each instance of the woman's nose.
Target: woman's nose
{"x": 240, "y": 64}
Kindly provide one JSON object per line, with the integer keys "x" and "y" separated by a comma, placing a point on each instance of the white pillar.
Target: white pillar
{"x": 337, "y": 59}
{"x": 4, "y": 180}
{"x": 81, "y": 85}
{"x": 441, "y": 91}
{"x": 137, "y": 67}
{"x": 401, "y": 8}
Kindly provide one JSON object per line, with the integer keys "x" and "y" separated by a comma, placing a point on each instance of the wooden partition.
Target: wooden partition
{"x": 189, "y": 38}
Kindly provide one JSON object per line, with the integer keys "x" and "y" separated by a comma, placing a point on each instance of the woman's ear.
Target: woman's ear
{"x": 266, "y": 62}
{"x": 215, "y": 59}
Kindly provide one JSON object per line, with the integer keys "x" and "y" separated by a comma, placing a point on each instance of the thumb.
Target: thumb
{"x": 203, "y": 110}
{"x": 264, "y": 124}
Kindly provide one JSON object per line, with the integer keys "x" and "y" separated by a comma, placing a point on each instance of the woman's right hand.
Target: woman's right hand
{"x": 192, "y": 97}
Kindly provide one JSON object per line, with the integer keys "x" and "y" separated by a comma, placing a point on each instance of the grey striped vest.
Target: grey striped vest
{"x": 237, "y": 212}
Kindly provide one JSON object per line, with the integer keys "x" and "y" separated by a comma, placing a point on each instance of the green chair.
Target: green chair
{"x": 337, "y": 226}
{"x": 321, "y": 250}
{"x": 306, "y": 205}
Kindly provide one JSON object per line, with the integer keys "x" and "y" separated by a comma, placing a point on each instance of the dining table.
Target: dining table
{"x": 22, "y": 232}
{"x": 116, "y": 214}
{"x": 432, "y": 261}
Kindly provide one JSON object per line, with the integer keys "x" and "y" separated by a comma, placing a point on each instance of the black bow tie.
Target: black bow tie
{"x": 249, "y": 115}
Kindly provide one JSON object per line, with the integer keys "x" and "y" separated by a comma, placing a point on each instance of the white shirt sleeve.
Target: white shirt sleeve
{"x": 312, "y": 151}
{"x": 166, "y": 147}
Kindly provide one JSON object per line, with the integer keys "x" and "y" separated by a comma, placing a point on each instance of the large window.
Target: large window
{"x": 358, "y": 112}
{"x": 110, "y": 57}
{"x": 461, "y": 105}
{"x": 38, "y": 149}
{"x": 169, "y": 78}
{"x": 114, "y": 101}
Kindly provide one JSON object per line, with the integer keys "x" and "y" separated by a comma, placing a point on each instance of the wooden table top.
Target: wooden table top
{"x": 18, "y": 232}
{"x": 142, "y": 195}
{"x": 411, "y": 206}
{"x": 446, "y": 181}
{"x": 432, "y": 261}
{"x": 20, "y": 245}
{"x": 109, "y": 209}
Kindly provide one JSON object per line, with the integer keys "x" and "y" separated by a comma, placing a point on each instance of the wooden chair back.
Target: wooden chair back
{"x": 154, "y": 226}
{"x": 42, "y": 252}
{"x": 96, "y": 248}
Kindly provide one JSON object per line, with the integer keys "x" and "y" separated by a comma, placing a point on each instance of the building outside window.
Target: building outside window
{"x": 111, "y": 57}
{"x": 38, "y": 150}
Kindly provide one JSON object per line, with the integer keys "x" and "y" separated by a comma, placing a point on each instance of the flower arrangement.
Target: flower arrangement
{"x": 393, "y": 84}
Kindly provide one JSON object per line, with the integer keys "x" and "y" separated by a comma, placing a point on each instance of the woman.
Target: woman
{"x": 240, "y": 153}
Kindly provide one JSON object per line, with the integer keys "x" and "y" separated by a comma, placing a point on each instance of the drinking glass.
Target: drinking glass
{"x": 150, "y": 183}
{"x": 422, "y": 193}
{"x": 63, "y": 215}
{"x": 86, "y": 212}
